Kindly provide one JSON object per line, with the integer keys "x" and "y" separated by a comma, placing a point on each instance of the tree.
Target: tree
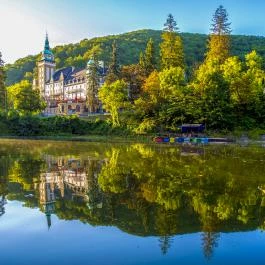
{"x": 171, "y": 48}
{"x": 158, "y": 90}
{"x": 171, "y": 24}
{"x": 142, "y": 62}
{"x": 95, "y": 52}
{"x": 172, "y": 81}
{"x": 114, "y": 70}
{"x": 2, "y": 84}
{"x": 216, "y": 107}
{"x": 220, "y": 25}
{"x": 147, "y": 60}
{"x": 219, "y": 40}
{"x": 134, "y": 76}
{"x": 92, "y": 85}
{"x": 114, "y": 97}
{"x": 146, "y": 105}
{"x": 245, "y": 81}
{"x": 23, "y": 98}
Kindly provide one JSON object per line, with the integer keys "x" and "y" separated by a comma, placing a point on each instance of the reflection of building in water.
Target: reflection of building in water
{"x": 76, "y": 182}
{"x": 65, "y": 179}
{"x": 2, "y": 203}
{"x": 48, "y": 183}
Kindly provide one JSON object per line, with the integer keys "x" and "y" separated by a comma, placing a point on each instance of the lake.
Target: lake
{"x": 97, "y": 203}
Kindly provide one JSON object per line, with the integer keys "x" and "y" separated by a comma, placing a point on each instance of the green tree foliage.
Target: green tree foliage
{"x": 92, "y": 79}
{"x": 219, "y": 39}
{"x": 23, "y": 98}
{"x": 222, "y": 91}
{"x": 134, "y": 76}
{"x": 245, "y": 81}
{"x": 172, "y": 82}
{"x": 94, "y": 53}
{"x": 142, "y": 62}
{"x": 216, "y": 108}
{"x": 158, "y": 90}
{"x": 130, "y": 45}
{"x": 171, "y": 48}
{"x": 114, "y": 68}
{"x": 2, "y": 84}
{"x": 147, "y": 105}
{"x": 147, "y": 60}
{"x": 150, "y": 59}
{"x": 114, "y": 97}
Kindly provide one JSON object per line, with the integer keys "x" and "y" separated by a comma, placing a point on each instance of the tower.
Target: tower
{"x": 46, "y": 67}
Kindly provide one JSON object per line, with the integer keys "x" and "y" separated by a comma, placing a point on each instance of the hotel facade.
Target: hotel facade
{"x": 65, "y": 90}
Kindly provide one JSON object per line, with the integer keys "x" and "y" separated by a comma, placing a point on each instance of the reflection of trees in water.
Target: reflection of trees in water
{"x": 4, "y": 167}
{"x": 95, "y": 195}
{"x": 165, "y": 243}
{"x": 2, "y": 203}
{"x": 159, "y": 191}
{"x": 209, "y": 242}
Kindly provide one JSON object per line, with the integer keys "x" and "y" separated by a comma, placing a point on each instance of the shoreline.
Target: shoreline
{"x": 85, "y": 138}
{"x": 145, "y": 139}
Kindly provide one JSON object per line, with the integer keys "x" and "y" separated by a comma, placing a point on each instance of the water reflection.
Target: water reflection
{"x": 2, "y": 205}
{"x": 143, "y": 190}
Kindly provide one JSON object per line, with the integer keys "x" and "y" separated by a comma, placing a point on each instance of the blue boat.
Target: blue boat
{"x": 166, "y": 140}
{"x": 180, "y": 140}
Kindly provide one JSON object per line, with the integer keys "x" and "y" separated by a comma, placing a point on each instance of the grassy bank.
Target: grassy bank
{"x": 96, "y": 130}
{"x": 87, "y": 138}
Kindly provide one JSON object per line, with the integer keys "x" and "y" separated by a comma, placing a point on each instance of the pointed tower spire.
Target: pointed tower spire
{"x": 47, "y": 45}
{"x": 49, "y": 220}
{"x": 47, "y": 54}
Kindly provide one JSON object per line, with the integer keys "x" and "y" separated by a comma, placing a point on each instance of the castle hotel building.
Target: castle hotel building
{"x": 64, "y": 90}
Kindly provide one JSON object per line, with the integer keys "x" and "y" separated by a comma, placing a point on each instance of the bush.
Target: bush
{"x": 31, "y": 125}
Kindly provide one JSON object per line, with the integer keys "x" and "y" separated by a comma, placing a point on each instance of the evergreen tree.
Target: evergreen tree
{"x": 133, "y": 75}
{"x": 171, "y": 48}
{"x": 150, "y": 62}
{"x": 114, "y": 71}
{"x": 2, "y": 84}
{"x": 142, "y": 62}
{"x": 219, "y": 40}
{"x": 171, "y": 24}
{"x": 220, "y": 25}
{"x": 92, "y": 85}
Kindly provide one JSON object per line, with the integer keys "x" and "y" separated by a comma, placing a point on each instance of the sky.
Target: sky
{"x": 23, "y": 23}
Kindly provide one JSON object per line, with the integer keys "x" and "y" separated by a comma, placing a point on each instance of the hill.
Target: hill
{"x": 130, "y": 44}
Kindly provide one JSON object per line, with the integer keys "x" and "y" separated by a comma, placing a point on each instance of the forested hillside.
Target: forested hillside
{"x": 130, "y": 45}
